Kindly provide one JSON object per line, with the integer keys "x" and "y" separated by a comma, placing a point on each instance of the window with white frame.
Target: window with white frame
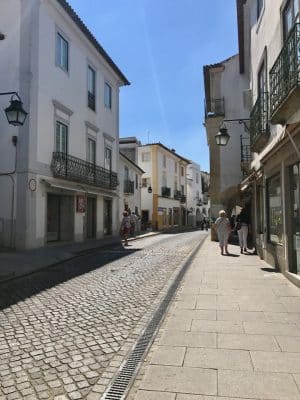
{"x": 91, "y": 150}
{"x": 146, "y": 182}
{"x": 108, "y": 158}
{"x": 136, "y": 181}
{"x": 107, "y": 95}
{"x": 182, "y": 171}
{"x": 62, "y": 52}
{"x": 164, "y": 180}
{"x": 290, "y": 16}
{"x": 91, "y": 86}
{"x": 259, "y": 6}
{"x": 274, "y": 210}
{"x": 146, "y": 156}
{"x": 164, "y": 161}
{"x": 61, "y": 137}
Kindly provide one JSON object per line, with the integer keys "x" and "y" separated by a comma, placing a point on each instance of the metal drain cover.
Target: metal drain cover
{"x": 121, "y": 384}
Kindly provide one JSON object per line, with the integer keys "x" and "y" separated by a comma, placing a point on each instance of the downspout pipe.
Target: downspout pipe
{"x": 10, "y": 175}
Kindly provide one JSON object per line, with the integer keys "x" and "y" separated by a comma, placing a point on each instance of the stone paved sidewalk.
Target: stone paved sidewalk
{"x": 232, "y": 333}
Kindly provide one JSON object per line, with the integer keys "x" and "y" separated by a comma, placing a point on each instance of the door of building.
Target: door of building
{"x": 107, "y": 217}
{"x": 91, "y": 218}
{"x": 295, "y": 218}
{"x": 60, "y": 217}
{"x": 53, "y": 218}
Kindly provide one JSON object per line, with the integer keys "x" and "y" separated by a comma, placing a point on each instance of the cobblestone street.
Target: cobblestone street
{"x": 66, "y": 330}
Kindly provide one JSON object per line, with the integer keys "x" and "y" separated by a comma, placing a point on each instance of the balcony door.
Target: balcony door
{"x": 61, "y": 138}
{"x": 290, "y": 16}
{"x": 60, "y": 218}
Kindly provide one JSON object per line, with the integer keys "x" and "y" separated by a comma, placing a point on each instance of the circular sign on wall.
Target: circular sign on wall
{"x": 32, "y": 185}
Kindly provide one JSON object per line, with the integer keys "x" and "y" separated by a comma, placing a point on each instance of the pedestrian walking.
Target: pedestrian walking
{"x": 223, "y": 231}
{"x": 133, "y": 223}
{"x": 242, "y": 227}
{"x": 125, "y": 228}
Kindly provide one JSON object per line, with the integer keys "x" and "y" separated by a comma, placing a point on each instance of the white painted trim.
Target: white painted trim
{"x": 58, "y": 105}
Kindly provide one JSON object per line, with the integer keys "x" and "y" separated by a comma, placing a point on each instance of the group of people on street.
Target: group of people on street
{"x": 224, "y": 229}
{"x": 205, "y": 224}
{"x": 128, "y": 226}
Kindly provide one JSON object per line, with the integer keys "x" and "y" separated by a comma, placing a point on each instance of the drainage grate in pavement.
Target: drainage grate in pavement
{"x": 120, "y": 386}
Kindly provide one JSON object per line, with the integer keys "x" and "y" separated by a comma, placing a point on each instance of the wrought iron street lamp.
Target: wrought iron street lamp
{"x": 149, "y": 189}
{"x": 222, "y": 137}
{"x": 15, "y": 113}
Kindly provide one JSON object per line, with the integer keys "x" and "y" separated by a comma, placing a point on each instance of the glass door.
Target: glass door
{"x": 91, "y": 218}
{"x": 295, "y": 192}
{"x": 107, "y": 217}
{"x": 53, "y": 218}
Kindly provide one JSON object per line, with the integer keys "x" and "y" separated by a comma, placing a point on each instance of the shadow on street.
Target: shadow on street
{"x": 11, "y": 292}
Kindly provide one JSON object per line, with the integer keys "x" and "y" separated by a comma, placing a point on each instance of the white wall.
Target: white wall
{"x": 132, "y": 200}
{"x": 233, "y": 84}
{"x": 29, "y": 52}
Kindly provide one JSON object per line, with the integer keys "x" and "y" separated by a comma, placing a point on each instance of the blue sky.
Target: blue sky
{"x": 161, "y": 47}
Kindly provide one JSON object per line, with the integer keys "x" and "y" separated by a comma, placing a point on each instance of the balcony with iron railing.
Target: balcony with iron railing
{"x": 285, "y": 79}
{"x": 75, "y": 169}
{"x": 246, "y": 158}
{"x": 214, "y": 108}
{"x": 205, "y": 199}
{"x": 128, "y": 186}
{"x": 177, "y": 194}
{"x": 165, "y": 191}
{"x": 198, "y": 202}
{"x": 259, "y": 126}
{"x": 183, "y": 199}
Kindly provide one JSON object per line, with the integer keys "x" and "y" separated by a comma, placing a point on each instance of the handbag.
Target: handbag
{"x": 238, "y": 226}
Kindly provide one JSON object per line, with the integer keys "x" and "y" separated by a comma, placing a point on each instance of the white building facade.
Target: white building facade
{"x": 195, "y": 197}
{"x": 164, "y": 186}
{"x": 65, "y": 187}
{"x": 222, "y": 103}
{"x": 269, "y": 40}
{"x": 130, "y": 178}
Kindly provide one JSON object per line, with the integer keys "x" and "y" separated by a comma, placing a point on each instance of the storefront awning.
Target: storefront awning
{"x": 77, "y": 187}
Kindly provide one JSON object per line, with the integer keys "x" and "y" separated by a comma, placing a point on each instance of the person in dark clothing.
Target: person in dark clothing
{"x": 242, "y": 227}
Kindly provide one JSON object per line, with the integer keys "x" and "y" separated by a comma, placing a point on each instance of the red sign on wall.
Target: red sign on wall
{"x": 80, "y": 204}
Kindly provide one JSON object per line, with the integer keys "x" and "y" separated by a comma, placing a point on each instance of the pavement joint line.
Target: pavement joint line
{"x": 135, "y": 358}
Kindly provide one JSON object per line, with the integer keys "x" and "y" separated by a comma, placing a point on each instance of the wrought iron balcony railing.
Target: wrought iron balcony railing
{"x": 78, "y": 170}
{"x": 205, "y": 199}
{"x": 183, "y": 199}
{"x": 259, "y": 126}
{"x": 177, "y": 194}
{"x": 214, "y": 108}
{"x": 128, "y": 186}
{"x": 246, "y": 156}
{"x": 285, "y": 73}
{"x": 165, "y": 191}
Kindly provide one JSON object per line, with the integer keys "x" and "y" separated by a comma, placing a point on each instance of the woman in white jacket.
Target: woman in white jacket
{"x": 223, "y": 229}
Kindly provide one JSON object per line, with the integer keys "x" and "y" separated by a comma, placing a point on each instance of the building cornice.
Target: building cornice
{"x": 79, "y": 23}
